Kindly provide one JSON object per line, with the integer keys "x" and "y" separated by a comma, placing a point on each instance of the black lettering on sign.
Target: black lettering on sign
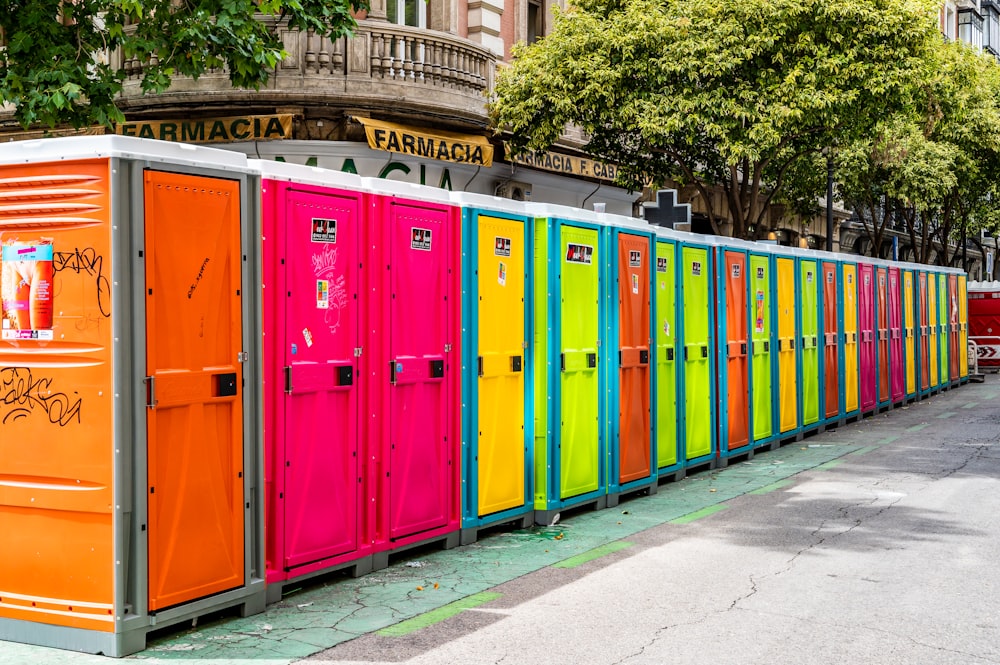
{"x": 23, "y": 394}
{"x": 737, "y": 270}
{"x": 661, "y": 264}
{"x": 324, "y": 230}
{"x": 760, "y": 272}
{"x": 634, "y": 259}
{"x": 696, "y": 268}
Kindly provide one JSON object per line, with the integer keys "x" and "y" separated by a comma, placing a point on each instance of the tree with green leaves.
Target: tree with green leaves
{"x": 54, "y": 67}
{"x": 728, "y": 94}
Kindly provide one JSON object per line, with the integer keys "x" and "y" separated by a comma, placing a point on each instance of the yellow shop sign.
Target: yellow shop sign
{"x": 445, "y": 146}
{"x": 565, "y": 164}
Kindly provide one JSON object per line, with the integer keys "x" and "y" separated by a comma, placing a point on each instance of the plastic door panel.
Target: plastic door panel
{"x": 866, "y": 325}
{"x": 850, "y": 313}
{"x": 321, "y": 466}
{"x": 787, "y": 371}
{"x": 763, "y": 422}
{"x": 954, "y": 366}
{"x": 419, "y": 409}
{"x": 808, "y": 316}
{"x": 963, "y": 325}
{"x": 697, "y": 371}
{"x": 932, "y": 326}
{"x": 831, "y": 373}
{"x": 896, "y": 373}
{"x": 943, "y": 337}
{"x": 925, "y": 331}
{"x": 501, "y": 454}
{"x": 909, "y": 337}
{"x": 737, "y": 371}
{"x": 580, "y": 332}
{"x": 882, "y": 322}
{"x": 194, "y": 336}
{"x": 666, "y": 354}
{"x": 634, "y": 439}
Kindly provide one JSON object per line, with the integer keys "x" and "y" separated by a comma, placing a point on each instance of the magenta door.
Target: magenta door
{"x": 866, "y": 326}
{"x": 882, "y": 325}
{"x": 419, "y": 409}
{"x": 321, "y": 466}
{"x": 895, "y": 336}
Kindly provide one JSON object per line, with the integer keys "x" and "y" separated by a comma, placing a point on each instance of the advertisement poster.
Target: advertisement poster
{"x": 26, "y": 290}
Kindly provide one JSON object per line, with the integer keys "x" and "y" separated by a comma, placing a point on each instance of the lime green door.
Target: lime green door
{"x": 760, "y": 274}
{"x": 810, "y": 334}
{"x": 697, "y": 377}
{"x": 666, "y": 350}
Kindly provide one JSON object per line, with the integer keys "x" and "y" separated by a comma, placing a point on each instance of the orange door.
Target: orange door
{"x": 635, "y": 449}
{"x": 737, "y": 379}
{"x": 194, "y": 381}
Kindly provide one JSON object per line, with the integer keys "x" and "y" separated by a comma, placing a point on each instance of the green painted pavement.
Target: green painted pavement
{"x": 916, "y": 428}
{"x": 438, "y": 615}
{"x": 773, "y": 486}
{"x": 946, "y": 414}
{"x": 698, "y": 514}
{"x": 596, "y": 553}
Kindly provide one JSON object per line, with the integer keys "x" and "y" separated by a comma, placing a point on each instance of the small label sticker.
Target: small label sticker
{"x": 501, "y": 247}
{"x": 295, "y": 349}
{"x": 579, "y": 253}
{"x": 829, "y": 278}
{"x": 634, "y": 259}
{"x": 322, "y": 294}
{"x": 502, "y": 275}
{"x": 661, "y": 264}
{"x": 420, "y": 239}
{"x": 324, "y": 230}
{"x": 666, "y": 328}
{"x": 809, "y": 277}
{"x": 760, "y": 272}
{"x": 850, "y": 279}
{"x": 736, "y": 271}
{"x": 307, "y": 336}
{"x": 696, "y": 268}
{"x": 759, "y": 309}
{"x": 635, "y": 283}
{"x": 881, "y": 280}
{"x": 868, "y": 280}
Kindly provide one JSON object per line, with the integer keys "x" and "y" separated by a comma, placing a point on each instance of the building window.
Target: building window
{"x": 536, "y": 25}
{"x": 991, "y": 27}
{"x": 970, "y": 27}
{"x": 407, "y": 12}
{"x": 949, "y": 23}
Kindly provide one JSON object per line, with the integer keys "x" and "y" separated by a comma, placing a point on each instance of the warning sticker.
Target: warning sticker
{"x": 809, "y": 277}
{"x": 324, "y": 230}
{"x": 661, "y": 264}
{"x": 501, "y": 247}
{"x": 307, "y": 336}
{"x": 696, "y": 268}
{"x": 634, "y": 259}
{"x": 760, "y": 272}
{"x": 850, "y": 279}
{"x": 736, "y": 270}
{"x": 502, "y": 275}
{"x": 579, "y": 253}
{"x": 322, "y": 294}
{"x": 829, "y": 278}
{"x": 420, "y": 239}
{"x": 635, "y": 283}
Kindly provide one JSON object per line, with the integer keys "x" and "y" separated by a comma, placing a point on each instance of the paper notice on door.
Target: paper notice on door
{"x": 322, "y": 294}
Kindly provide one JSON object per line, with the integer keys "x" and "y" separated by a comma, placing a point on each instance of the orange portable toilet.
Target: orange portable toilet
{"x": 130, "y": 364}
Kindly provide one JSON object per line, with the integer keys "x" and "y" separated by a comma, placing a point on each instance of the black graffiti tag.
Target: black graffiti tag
{"x": 86, "y": 261}
{"x": 22, "y": 394}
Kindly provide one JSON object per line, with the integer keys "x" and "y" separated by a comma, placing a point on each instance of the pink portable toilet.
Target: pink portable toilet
{"x": 898, "y": 389}
{"x": 414, "y": 364}
{"x": 866, "y": 327}
{"x": 317, "y": 487}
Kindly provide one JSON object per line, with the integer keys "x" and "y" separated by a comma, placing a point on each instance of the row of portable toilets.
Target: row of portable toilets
{"x": 223, "y": 376}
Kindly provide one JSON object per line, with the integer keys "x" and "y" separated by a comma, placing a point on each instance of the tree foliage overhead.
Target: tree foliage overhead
{"x": 715, "y": 93}
{"x": 55, "y": 67}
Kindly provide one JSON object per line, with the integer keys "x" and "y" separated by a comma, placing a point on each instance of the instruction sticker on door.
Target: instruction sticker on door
{"x": 696, "y": 268}
{"x": 634, "y": 259}
{"x": 809, "y": 277}
{"x": 829, "y": 278}
{"x": 501, "y": 247}
{"x": 502, "y": 274}
{"x": 576, "y": 253}
{"x": 661, "y": 264}
{"x": 322, "y": 294}
{"x": 760, "y": 272}
{"x": 420, "y": 239}
{"x": 324, "y": 230}
{"x": 635, "y": 284}
{"x": 736, "y": 271}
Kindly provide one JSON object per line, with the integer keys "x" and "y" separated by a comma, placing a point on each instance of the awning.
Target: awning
{"x": 445, "y": 146}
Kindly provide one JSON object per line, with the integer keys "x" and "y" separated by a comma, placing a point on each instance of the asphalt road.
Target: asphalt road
{"x": 887, "y": 555}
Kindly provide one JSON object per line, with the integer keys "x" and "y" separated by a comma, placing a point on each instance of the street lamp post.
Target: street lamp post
{"x": 829, "y": 199}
